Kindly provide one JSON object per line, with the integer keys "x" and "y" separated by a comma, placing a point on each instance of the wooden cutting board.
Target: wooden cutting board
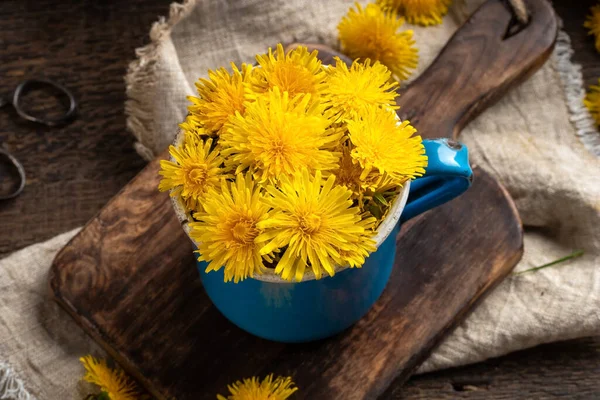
{"x": 129, "y": 277}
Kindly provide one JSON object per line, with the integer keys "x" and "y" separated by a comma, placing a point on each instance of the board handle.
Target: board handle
{"x": 489, "y": 54}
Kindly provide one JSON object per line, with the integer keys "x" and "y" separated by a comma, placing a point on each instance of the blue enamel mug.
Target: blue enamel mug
{"x": 272, "y": 308}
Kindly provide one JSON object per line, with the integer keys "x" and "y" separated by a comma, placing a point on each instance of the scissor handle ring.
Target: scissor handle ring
{"x": 21, "y": 172}
{"x": 49, "y": 121}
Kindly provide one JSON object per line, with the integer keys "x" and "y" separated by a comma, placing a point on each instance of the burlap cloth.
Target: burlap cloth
{"x": 529, "y": 141}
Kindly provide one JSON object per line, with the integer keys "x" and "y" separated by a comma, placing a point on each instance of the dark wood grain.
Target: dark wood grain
{"x": 563, "y": 370}
{"x": 90, "y": 43}
{"x": 130, "y": 280}
{"x": 72, "y": 171}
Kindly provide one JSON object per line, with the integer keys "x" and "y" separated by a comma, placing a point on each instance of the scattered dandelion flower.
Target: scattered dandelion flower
{"x": 421, "y": 12}
{"x": 114, "y": 382}
{"x": 315, "y": 220}
{"x": 279, "y": 135}
{"x": 297, "y": 72}
{"x": 226, "y": 230}
{"x": 390, "y": 147}
{"x": 252, "y": 389}
{"x": 592, "y": 22}
{"x": 372, "y": 33}
{"x": 220, "y": 96}
{"x": 349, "y": 91}
{"x": 196, "y": 169}
{"x": 592, "y": 102}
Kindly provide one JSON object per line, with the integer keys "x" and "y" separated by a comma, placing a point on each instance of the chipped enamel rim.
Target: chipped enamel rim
{"x": 383, "y": 231}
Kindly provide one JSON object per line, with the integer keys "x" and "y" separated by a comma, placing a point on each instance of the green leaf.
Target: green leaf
{"x": 375, "y": 211}
{"x": 575, "y": 254}
{"x": 379, "y": 197}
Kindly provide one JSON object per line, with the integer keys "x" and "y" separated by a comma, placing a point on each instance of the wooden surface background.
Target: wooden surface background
{"x": 73, "y": 171}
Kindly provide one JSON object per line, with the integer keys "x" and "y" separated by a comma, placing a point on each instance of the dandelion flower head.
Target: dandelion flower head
{"x": 316, "y": 220}
{"x": 592, "y": 22}
{"x": 114, "y": 382}
{"x": 193, "y": 130}
{"x": 297, "y": 72}
{"x": 592, "y": 102}
{"x": 279, "y": 135}
{"x": 195, "y": 169}
{"x": 279, "y": 388}
{"x": 227, "y": 229}
{"x": 373, "y": 33}
{"x": 220, "y": 96}
{"x": 422, "y": 12}
{"x": 381, "y": 143}
{"x": 350, "y": 91}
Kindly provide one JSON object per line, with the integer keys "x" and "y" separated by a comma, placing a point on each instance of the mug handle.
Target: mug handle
{"x": 448, "y": 175}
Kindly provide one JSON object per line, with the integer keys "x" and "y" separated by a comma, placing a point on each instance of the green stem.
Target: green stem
{"x": 575, "y": 254}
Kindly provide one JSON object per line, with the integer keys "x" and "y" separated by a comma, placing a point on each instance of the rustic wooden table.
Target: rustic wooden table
{"x": 72, "y": 171}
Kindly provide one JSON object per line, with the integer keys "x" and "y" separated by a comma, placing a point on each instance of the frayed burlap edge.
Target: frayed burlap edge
{"x": 141, "y": 77}
{"x": 11, "y": 387}
{"x": 572, "y": 81}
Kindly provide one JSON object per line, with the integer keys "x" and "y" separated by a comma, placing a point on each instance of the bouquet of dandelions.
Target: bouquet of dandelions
{"x": 290, "y": 164}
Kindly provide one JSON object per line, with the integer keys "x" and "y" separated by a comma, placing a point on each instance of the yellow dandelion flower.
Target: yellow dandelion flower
{"x": 297, "y": 72}
{"x": 355, "y": 255}
{"x": 349, "y": 91}
{"x": 196, "y": 169}
{"x": 351, "y": 175}
{"x": 592, "y": 102}
{"x": 114, "y": 382}
{"x": 422, "y": 12}
{"x": 316, "y": 220}
{"x": 373, "y": 192}
{"x": 592, "y": 22}
{"x": 220, "y": 96}
{"x": 349, "y": 172}
{"x": 381, "y": 143}
{"x": 279, "y": 135}
{"x": 226, "y": 231}
{"x": 252, "y": 389}
{"x": 193, "y": 131}
{"x": 372, "y": 33}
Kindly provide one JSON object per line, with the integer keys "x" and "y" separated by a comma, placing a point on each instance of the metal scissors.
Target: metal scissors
{"x": 17, "y": 104}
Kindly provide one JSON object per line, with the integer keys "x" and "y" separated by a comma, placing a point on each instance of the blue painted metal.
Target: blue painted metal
{"x": 316, "y": 309}
{"x": 448, "y": 176}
